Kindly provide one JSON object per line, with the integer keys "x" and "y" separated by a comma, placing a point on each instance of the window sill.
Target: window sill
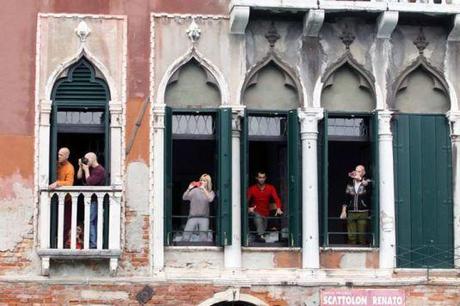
{"x": 194, "y": 248}
{"x": 349, "y": 249}
{"x": 78, "y": 254}
{"x": 271, "y": 249}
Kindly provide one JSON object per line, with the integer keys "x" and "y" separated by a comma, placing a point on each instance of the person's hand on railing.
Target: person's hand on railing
{"x": 343, "y": 215}
{"x": 251, "y": 209}
{"x": 279, "y": 212}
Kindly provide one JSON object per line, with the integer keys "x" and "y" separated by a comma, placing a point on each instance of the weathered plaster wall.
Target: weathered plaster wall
{"x": 193, "y": 294}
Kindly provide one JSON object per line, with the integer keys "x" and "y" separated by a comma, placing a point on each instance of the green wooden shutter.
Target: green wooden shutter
{"x": 374, "y": 175}
{"x": 244, "y": 145}
{"x": 323, "y": 180}
{"x": 168, "y": 182}
{"x": 295, "y": 209}
{"x": 224, "y": 140}
{"x": 423, "y": 185}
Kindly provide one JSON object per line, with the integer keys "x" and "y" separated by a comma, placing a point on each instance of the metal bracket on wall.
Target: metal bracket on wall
{"x": 138, "y": 123}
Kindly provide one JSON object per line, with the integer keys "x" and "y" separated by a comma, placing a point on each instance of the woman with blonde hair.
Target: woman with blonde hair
{"x": 200, "y": 195}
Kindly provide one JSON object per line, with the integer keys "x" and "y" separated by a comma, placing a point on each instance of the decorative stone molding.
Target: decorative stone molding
{"x": 454, "y": 34}
{"x": 239, "y": 18}
{"x": 420, "y": 42}
{"x": 211, "y": 69}
{"x": 309, "y": 122}
{"x": 82, "y": 31}
{"x": 272, "y": 35}
{"x": 51, "y": 63}
{"x": 193, "y": 32}
{"x": 272, "y": 56}
{"x": 237, "y": 114}
{"x": 384, "y": 118}
{"x": 454, "y": 120}
{"x": 348, "y": 58}
{"x": 233, "y": 295}
{"x": 420, "y": 62}
{"x": 386, "y": 23}
{"x": 312, "y": 22}
{"x": 347, "y": 38}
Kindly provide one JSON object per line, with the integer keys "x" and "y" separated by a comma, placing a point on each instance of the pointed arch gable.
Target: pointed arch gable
{"x": 348, "y": 59}
{"x": 81, "y": 75}
{"x": 349, "y": 73}
{"x": 421, "y": 62}
{"x": 83, "y": 52}
{"x": 291, "y": 78}
{"x": 213, "y": 73}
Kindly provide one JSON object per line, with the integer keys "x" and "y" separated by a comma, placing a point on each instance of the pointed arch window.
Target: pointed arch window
{"x": 347, "y": 138}
{"x": 197, "y": 141}
{"x": 80, "y": 121}
{"x": 271, "y": 144}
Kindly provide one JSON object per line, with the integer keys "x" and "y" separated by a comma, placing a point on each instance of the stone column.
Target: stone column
{"x": 310, "y": 226}
{"x": 454, "y": 119}
{"x": 232, "y": 253}
{"x": 116, "y": 137}
{"x": 157, "y": 212}
{"x": 386, "y": 192}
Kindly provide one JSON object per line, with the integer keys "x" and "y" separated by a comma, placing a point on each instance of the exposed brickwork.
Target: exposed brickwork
{"x": 18, "y": 259}
{"x": 189, "y": 294}
{"x": 288, "y": 260}
{"x": 136, "y": 259}
{"x": 330, "y": 259}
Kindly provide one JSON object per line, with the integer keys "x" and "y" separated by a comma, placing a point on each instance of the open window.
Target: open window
{"x": 270, "y": 144}
{"x": 80, "y": 121}
{"x": 347, "y": 139}
{"x": 197, "y": 141}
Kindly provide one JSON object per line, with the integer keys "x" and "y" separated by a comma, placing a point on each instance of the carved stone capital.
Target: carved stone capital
{"x": 454, "y": 120}
{"x": 309, "y": 121}
{"x": 159, "y": 116}
{"x": 45, "y": 112}
{"x": 384, "y": 118}
{"x": 237, "y": 114}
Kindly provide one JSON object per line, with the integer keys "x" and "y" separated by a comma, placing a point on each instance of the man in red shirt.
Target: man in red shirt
{"x": 259, "y": 196}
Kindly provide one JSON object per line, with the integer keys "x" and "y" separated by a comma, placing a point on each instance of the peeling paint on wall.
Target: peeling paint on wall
{"x": 16, "y": 208}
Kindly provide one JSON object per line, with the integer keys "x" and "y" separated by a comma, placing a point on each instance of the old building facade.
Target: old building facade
{"x": 164, "y": 91}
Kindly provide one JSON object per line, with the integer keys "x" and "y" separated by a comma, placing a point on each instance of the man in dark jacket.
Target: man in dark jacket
{"x": 357, "y": 206}
{"x": 92, "y": 174}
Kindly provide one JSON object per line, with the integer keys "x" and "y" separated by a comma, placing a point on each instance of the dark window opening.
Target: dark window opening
{"x": 194, "y": 152}
{"x": 267, "y": 150}
{"x": 348, "y": 145}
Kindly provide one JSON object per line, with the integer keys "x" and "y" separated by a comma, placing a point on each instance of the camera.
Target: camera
{"x": 196, "y": 184}
{"x": 84, "y": 160}
{"x": 352, "y": 174}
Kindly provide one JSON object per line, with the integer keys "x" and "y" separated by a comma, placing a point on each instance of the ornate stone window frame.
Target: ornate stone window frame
{"x": 43, "y": 106}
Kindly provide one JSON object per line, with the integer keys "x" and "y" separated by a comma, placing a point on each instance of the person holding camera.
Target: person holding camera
{"x": 357, "y": 206}
{"x": 92, "y": 174}
{"x": 200, "y": 195}
{"x": 259, "y": 196}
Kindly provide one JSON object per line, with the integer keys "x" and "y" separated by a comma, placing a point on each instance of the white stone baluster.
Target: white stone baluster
{"x": 87, "y": 201}
{"x": 100, "y": 219}
{"x": 45, "y": 208}
{"x": 114, "y": 221}
{"x": 73, "y": 227}
{"x": 60, "y": 232}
